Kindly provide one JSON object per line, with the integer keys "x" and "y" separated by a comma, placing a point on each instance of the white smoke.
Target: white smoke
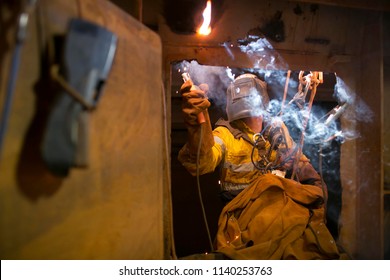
{"x": 262, "y": 54}
{"x": 265, "y": 61}
{"x": 255, "y": 47}
{"x": 344, "y": 94}
{"x": 255, "y": 101}
{"x": 217, "y": 78}
{"x": 229, "y": 73}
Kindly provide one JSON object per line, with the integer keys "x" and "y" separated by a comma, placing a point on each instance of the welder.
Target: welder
{"x": 232, "y": 141}
{"x": 268, "y": 214}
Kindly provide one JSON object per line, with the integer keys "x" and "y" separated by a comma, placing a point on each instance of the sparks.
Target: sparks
{"x": 205, "y": 29}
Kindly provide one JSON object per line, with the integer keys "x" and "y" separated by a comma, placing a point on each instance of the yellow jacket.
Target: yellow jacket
{"x": 233, "y": 154}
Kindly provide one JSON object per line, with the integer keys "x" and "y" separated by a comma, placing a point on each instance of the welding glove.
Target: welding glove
{"x": 194, "y": 101}
{"x": 287, "y": 151}
{"x": 282, "y": 142}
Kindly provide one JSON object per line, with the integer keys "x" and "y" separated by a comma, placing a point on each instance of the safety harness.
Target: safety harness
{"x": 237, "y": 133}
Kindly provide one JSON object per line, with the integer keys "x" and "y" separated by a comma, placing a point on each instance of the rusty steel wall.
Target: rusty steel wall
{"x": 113, "y": 209}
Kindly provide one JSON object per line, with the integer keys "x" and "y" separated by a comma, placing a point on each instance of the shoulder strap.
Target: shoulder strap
{"x": 235, "y": 131}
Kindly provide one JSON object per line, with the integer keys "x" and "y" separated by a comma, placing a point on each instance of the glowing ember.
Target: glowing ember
{"x": 205, "y": 29}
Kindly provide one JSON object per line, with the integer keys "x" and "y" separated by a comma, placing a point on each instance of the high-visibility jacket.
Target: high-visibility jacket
{"x": 234, "y": 154}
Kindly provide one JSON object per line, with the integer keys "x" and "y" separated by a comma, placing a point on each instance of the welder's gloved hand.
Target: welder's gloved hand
{"x": 282, "y": 142}
{"x": 194, "y": 101}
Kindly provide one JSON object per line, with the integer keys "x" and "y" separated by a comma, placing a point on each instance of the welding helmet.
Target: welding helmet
{"x": 246, "y": 97}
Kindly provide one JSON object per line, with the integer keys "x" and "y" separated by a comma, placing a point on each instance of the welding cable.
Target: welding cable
{"x": 199, "y": 189}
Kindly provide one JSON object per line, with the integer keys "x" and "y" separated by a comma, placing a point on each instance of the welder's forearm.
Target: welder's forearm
{"x": 208, "y": 161}
{"x": 200, "y": 143}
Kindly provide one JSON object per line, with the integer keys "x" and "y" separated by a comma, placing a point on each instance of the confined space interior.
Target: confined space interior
{"x": 322, "y": 139}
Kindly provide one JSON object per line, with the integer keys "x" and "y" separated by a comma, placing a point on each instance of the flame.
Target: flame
{"x": 205, "y": 29}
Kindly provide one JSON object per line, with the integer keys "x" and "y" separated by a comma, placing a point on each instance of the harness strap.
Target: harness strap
{"x": 235, "y": 131}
